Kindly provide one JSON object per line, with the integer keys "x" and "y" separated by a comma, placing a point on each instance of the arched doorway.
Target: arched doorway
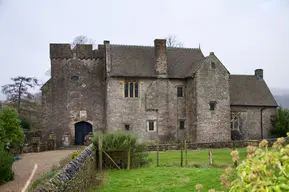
{"x": 81, "y": 130}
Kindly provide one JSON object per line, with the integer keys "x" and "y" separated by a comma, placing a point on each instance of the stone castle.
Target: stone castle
{"x": 172, "y": 93}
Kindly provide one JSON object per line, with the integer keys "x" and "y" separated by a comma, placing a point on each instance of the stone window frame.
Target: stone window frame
{"x": 182, "y": 91}
{"x": 131, "y": 89}
{"x": 184, "y": 123}
{"x": 235, "y": 120}
{"x": 153, "y": 123}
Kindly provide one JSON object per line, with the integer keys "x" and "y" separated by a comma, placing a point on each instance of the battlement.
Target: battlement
{"x": 82, "y": 51}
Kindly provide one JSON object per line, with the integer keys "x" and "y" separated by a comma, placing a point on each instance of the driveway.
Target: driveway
{"x": 23, "y": 168}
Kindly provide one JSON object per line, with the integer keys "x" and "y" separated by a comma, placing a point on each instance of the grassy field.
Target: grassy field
{"x": 220, "y": 157}
{"x": 168, "y": 179}
{"x": 173, "y": 178}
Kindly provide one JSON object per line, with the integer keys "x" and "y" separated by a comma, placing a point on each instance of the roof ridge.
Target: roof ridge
{"x": 149, "y": 46}
{"x": 242, "y": 75}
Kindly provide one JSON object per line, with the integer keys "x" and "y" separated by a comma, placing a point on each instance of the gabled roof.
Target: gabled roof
{"x": 251, "y": 91}
{"x": 139, "y": 61}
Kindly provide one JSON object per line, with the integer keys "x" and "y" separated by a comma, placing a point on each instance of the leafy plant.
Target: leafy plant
{"x": 262, "y": 170}
{"x": 11, "y": 133}
{"x": 6, "y": 161}
{"x": 281, "y": 124}
{"x": 122, "y": 141}
{"x": 76, "y": 153}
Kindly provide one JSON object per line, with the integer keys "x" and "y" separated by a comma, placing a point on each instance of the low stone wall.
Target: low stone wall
{"x": 77, "y": 176}
{"x": 217, "y": 145}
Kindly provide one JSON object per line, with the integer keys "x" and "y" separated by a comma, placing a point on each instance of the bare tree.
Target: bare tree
{"x": 19, "y": 89}
{"x": 173, "y": 42}
{"x": 81, "y": 39}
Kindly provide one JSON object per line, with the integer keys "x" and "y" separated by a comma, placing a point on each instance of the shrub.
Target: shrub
{"x": 122, "y": 141}
{"x": 263, "y": 169}
{"x": 281, "y": 124}
{"x": 11, "y": 132}
{"x": 6, "y": 161}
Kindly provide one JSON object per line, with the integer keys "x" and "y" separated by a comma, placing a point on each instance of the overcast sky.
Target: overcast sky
{"x": 244, "y": 34}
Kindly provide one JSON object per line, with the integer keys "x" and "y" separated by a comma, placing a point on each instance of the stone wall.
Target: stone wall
{"x": 250, "y": 121}
{"x": 157, "y": 101}
{"x": 77, "y": 176}
{"x": 76, "y": 87}
{"x": 212, "y": 85}
{"x": 212, "y": 145}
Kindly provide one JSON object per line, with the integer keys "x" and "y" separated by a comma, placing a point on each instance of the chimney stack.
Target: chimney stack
{"x": 161, "y": 65}
{"x": 259, "y": 73}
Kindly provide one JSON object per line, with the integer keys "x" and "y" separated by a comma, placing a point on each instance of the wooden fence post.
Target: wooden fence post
{"x": 128, "y": 158}
{"x": 157, "y": 142}
{"x": 186, "y": 153}
{"x": 182, "y": 153}
{"x": 211, "y": 157}
{"x": 100, "y": 153}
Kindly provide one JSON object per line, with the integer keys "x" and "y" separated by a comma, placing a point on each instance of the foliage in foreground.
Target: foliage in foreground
{"x": 262, "y": 170}
{"x": 6, "y": 161}
{"x": 122, "y": 141}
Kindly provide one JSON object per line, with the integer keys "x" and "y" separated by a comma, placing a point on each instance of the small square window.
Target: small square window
{"x": 180, "y": 91}
{"x": 212, "y": 105}
{"x": 182, "y": 124}
{"x": 213, "y": 65}
{"x": 126, "y": 127}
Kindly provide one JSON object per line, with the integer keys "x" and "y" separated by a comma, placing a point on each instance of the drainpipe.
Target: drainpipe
{"x": 261, "y": 123}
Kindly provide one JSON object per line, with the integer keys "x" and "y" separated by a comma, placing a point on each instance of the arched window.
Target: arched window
{"x": 235, "y": 122}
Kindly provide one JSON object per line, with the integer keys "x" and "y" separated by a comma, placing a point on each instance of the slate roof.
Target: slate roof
{"x": 138, "y": 61}
{"x": 251, "y": 91}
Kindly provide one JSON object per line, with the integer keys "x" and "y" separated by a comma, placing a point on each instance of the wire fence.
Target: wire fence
{"x": 200, "y": 154}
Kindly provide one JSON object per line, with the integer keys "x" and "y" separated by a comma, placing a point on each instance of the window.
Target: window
{"x": 126, "y": 127}
{"x": 151, "y": 125}
{"x": 212, "y": 105}
{"x": 182, "y": 124}
{"x": 74, "y": 78}
{"x": 180, "y": 91}
{"x": 126, "y": 89}
{"x": 235, "y": 122}
{"x": 213, "y": 65}
{"x": 131, "y": 89}
{"x": 136, "y": 89}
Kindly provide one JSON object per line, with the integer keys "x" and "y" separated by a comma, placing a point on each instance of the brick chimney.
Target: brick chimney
{"x": 259, "y": 73}
{"x": 161, "y": 65}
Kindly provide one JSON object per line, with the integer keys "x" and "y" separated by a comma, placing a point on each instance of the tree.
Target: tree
{"x": 281, "y": 124}
{"x": 81, "y": 39}
{"x": 10, "y": 128}
{"x": 173, "y": 42}
{"x": 19, "y": 89}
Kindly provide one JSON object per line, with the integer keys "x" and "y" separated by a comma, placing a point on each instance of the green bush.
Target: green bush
{"x": 6, "y": 161}
{"x": 281, "y": 124}
{"x": 11, "y": 133}
{"x": 123, "y": 141}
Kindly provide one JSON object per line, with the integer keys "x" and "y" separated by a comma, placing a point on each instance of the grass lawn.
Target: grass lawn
{"x": 157, "y": 179}
{"x": 174, "y": 178}
{"x": 220, "y": 156}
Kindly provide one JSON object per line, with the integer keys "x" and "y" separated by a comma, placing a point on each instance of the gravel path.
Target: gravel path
{"x": 23, "y": 168}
